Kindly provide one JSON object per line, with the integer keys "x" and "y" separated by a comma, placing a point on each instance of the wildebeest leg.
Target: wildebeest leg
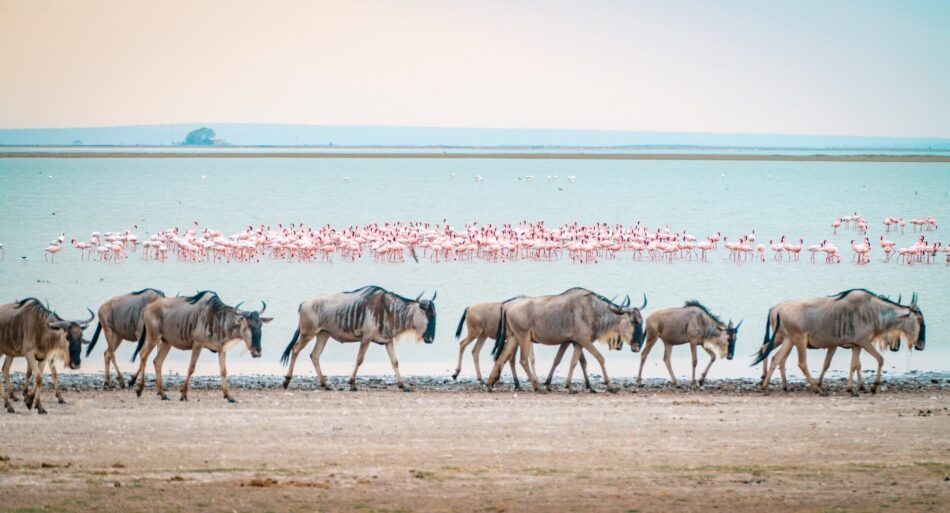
{"x": 469, "y": 337}
{"x": 514, "y": 369}
{"x": 506, "y": 354}
{"x": 107, "y": 354}
{"x": 195, "y": 351}
{"x": 855, "y": 363}
{"x": 222, "y": 362}
{"x": 364, "y": 345}
{"x": 476, "y": 352}
{"x": 651, "y": 339}
{"x": 778, "y": 359}
{"x": 301, "y": 343}
{"x": 163, "y": 349}
{"x": 589, "y": 346}
{"x": 112, "y": 343}
{"x": 587, "y": 384}
{"x": 575, "y": 357}
{"x": 712, "y": 358}
{"x": 557, "y": 361}
{"x": 802, "y": 348}
{"x": 7, "y": 362}
{"x": 150, "y": 343}
{"x": 692, "y": 350}
{"x": 824, "y": 368}
{"x": 392, "y": 359}
{"x": 667, "y": 352}
{"x": 6, "y": 381}
{"x": 33, "y": 401}
{"x": 880, "y": 363}
{"x": 526, "y": 343}
{"x": 59, "y": 394}
{"x": 315, "y": 358}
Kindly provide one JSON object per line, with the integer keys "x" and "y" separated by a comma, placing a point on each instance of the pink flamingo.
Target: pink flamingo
{"x": 51, "y": 250}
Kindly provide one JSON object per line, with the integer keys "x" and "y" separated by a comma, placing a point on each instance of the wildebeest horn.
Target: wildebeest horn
{"x": 263, "y": 306}
{"x": 434, "y": 293}
{"x": 737, "y": 325}
{"x": 420, "y": 295}
{"x": 644, "y": 301}
{"x": 613, "y": 299}
{"x": 626, "y": 301}
{"x": 899, "y": 296}
{"x": 58, "y": 324}
{"x": 237, "y": 307}
{"x": 913, "y": 300}
{"x": 85, "y": 323}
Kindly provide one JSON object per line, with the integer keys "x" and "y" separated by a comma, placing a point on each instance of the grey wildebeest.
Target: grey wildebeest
{"x": 856, "y": 318}
{"x": 122, "y": 318}
{"x": 32, "y": 331}
{"x": 691, "y": 324}
{"x": 577, "y": 316}
{"x": 194, "y": 323}
{"x": 368, "y": 314}
{"x": 481, "y": 321}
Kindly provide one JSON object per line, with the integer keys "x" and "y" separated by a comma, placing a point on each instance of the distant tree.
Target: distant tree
{"x": 200, "y": 136}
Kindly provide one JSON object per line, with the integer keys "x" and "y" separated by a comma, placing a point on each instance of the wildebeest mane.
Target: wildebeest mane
{"x": 371, "y": 289}
{"x": 197, "y": 297}
{"x": 140, "y": 292}
{"x": 697, "y": 304}
{"x": 841, "y": 295}
{"x": 36, "y": 304}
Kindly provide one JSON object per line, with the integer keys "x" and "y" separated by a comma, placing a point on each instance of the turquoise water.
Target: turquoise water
{"x": 799, "y": 199}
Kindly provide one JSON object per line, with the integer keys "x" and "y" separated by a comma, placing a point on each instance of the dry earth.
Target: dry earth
{"x": 455, "y": 448}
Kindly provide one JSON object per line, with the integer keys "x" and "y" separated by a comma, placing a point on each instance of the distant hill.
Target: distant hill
{"x": 239, "y": 134}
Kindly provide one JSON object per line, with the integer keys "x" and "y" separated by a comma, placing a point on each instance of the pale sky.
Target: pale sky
{"x": 807, "y": 67}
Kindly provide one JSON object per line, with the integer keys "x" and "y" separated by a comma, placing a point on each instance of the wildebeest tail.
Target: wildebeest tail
{"x": 500, "y": 335}
{"x": 140, "y": 344}
{"x": 284, "y": 358}
{"x": 768, "y": 343}
{"x": 95, "y": 338}
{"x": 458, "y": 331}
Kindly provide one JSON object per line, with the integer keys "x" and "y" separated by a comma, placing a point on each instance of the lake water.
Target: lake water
{"x": 799, "y": 199}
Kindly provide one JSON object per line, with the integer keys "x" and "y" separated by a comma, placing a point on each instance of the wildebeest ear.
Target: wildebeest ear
{"x": 58, "y": 325}
{"x": 266, "y": 320}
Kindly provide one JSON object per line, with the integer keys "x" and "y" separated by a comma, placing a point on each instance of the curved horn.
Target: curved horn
{"x": 644, "y": 301}
{"x": 91, "y": 317}
{"x": 740, "y": 324}
{"x": 420, "y": 295}
{"x": 899, "y": 296}
{"x": 614, "y": 298}
{"x": 434, "y": 294}
{"x": 263, "y": 306}
{"x": 626, "y": 301}
{"x": 913, "y": 300}
{"x": 237, "y": 307}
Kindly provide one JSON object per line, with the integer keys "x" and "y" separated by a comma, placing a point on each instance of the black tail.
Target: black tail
{"x": 284, "y": 358}
{"x": 140, "y": 345}
{"x": 500, "y": 336}
{"x": 95, "y": 338}
{"x": 768, "y": 343}
{"x": 458, "y": 331}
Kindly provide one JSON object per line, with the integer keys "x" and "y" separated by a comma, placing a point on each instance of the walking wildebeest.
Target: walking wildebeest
{"x": 576, "y": 316}
{"x": 32, "y": 331}
{"x": 482, "y": 320}
{"x": 193, "y": 323}
{"x": 856, "y": 317}
{"x": 8, "y": 361}
{"x": 368, "y": 314}
{"x": 122, "y": 318}
{"x": 691, "y": 324}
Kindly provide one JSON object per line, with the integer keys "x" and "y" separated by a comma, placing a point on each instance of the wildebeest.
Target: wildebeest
{"x": 32, "y": 331}
{"x": 691, "y": 324}
{"x": 122, "y": 318}
{"x": 576, "y": 316}
{"x": 194, "y": 323}
{"x": 855, "y": 318}
{"x": 481, "y": 321}
{"x": 368, "y": 314}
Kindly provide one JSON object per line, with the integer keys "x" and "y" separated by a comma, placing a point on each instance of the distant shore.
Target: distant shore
{"x": 67, "y": 154}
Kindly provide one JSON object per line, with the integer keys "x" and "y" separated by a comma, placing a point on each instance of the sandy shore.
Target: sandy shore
{"x": 451, "y": 447}
{"x": 471, "y": 155}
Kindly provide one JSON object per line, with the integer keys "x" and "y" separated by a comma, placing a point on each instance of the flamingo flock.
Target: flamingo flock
{"x": 395, "y": 242}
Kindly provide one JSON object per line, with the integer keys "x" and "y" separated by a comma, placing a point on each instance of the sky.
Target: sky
{"x": 806, "y": 67}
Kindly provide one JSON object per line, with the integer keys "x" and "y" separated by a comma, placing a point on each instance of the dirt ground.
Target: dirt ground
{"x": 456, "y": 448}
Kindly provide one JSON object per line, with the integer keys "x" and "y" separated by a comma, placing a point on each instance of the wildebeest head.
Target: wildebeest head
{"x": 912, "y": 324}
{"x": 423, "y": 319}
{"x": 728, "y": 338}
{"x": 70, "y": 333}
{"x": 630, "y": 326}
{"x": 249, "y": 323}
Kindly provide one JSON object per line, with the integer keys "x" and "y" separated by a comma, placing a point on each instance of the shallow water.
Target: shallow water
{"x": 799, "y": 199}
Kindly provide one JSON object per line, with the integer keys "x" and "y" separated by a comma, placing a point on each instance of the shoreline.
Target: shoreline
{"x": 917, "y": 158}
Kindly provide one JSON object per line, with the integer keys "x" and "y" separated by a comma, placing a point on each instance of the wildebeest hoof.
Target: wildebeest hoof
{"x": 784, "y": 388}
{"x": 540, "y": 390}
{"x": 593, "y": 390}
{"x": 702, "y": 382}
{"x": 873, "y": 389}
{"x": 571, "y": 391}
{"x": 613, "y": 390}
{"x": 854, "y": 393}
{"x": 28, "y": 401}
{"x": 10, "y": 409}
{"x": 138, "y": 392}
{"x": 60, "y": 400}
{"x": 822, "y": 392}
{"x": 132, "y": 382}
{"x": 41, "y": 410}
{"x": 183, "y": 397}
{"x": 286, "y": 382}
{"x": 231, "y": 400}
{"x": 407, "y": 389}
{"x": 353, "y": 388}
{"x": 455, "y": 376}
{"x": 164, "y": 396}
{"x": 14, "y": 398}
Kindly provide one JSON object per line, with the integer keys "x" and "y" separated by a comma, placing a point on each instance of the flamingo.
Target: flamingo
{"x": 51, "y": 250}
